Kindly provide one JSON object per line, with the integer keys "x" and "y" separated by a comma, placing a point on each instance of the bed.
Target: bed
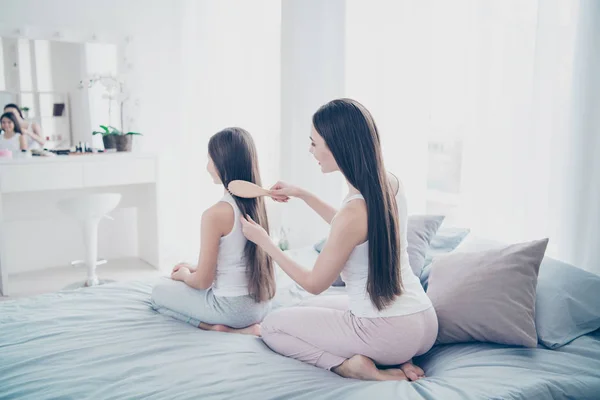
{"x": 106, "y": 342}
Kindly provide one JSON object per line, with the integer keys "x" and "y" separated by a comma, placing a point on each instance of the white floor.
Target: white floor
{"x": 54, "y": 279}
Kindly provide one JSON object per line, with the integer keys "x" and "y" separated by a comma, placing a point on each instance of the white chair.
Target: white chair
{"x": 89, "y": 210}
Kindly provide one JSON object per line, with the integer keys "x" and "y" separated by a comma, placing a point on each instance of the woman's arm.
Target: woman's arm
{"x": 326, "y": 211}
{"x": 216, "y": 221}
{"x": 348, "y": 231}
{"x": 281, "y": 192}
{"x": 36, "y": 134}
{"x": 22, "y": 142}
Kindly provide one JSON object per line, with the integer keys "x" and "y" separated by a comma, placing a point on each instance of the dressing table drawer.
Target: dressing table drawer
{"x": 35, "y": 177}
{"x": 119, "y": 172}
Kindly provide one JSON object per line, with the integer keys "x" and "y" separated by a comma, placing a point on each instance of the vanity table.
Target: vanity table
{"x": 31, "y": 187}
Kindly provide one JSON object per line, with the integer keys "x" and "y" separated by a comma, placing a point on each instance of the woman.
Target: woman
{"x": 386, "y": 318}
{"x": 230, "y": 288}
{"x": 11, "y": 139}
{"x": 31, "y": 130}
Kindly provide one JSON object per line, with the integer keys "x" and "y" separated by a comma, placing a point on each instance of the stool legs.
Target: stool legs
{"x": 90, "y": 236}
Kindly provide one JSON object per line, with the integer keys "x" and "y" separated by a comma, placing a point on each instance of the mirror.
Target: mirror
{"x": 57, "y": 86}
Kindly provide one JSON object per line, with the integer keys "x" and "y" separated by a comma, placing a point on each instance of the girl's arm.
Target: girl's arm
{"x": 217, "y": 221}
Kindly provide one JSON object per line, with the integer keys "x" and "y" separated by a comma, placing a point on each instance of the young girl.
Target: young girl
{"x": 11, "y": 139}
{"x": 386, "y": 318}
{"x": 231, "y": 287}
{"x": 32, "y": 131}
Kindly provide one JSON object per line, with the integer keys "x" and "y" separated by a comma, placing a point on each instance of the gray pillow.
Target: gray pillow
{"x": 420, "y": 231}
{"x": 487, "y": 296}
{"x": 444, "y": 241}
{"x": 567, "y": 304}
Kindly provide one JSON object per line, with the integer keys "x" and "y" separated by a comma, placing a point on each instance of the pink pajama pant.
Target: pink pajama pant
{"x": 323, "y": 332}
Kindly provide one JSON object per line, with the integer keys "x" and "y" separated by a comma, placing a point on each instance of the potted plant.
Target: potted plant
{"x": 113, "y": 138}
{"x": 25, "y": 111}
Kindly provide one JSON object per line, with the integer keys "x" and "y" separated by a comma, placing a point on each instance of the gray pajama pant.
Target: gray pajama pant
{"x": 178, "y": 300}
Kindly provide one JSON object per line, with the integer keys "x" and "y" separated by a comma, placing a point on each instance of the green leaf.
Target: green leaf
{"x": 114, "y": 131}
{"x": 134, "y": 133}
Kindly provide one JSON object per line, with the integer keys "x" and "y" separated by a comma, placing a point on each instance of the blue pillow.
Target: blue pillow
{"x": 444, "y": 241}
{"x": 567, "y": 304}
{"x": 319, "y": 245}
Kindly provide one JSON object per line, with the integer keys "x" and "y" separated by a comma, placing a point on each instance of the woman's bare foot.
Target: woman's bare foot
{"x": 249, "y": 330}
{"x": 363, "y": 368}
{"x": 397, "y": 373}
{"x": 412, "y": 372}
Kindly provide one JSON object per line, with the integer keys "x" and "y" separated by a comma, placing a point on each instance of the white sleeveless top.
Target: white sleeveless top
{"x": 230, "y": 278}
{"x": 11, "y": 144}
{"x": 355, "y": 273}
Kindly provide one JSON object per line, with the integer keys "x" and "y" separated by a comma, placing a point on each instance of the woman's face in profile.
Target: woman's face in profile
{"x": 321, "y": 153}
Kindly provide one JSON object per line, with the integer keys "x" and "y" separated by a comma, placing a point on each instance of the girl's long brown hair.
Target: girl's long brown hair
{"x": 233, "y": 153}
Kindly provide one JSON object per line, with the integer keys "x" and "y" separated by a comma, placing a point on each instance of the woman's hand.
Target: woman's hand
{"x": 180, "y": 274}
{"x": 254, "y": 232}
{"x": 184, "y": 265}
{"x": 281, "y": 192}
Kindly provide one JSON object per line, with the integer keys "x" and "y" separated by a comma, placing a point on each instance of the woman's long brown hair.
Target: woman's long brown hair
{"x": 234, "y": 156}
{"x": 351, "y": 134}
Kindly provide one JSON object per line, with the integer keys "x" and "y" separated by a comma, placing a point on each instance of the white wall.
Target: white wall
{"x": 312, "y": 74}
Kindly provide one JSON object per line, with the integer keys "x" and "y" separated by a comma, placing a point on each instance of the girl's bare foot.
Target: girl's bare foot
{"x": 363, "y": 368}
{"x": 412, "y": 372}
{"x": 249, "y": 330}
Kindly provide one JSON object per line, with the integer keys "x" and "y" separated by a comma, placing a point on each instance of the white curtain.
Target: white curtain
{"x": 511, "y": 85}
{"x": 231, "y": 77}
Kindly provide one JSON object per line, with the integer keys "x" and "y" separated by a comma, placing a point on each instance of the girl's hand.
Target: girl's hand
{"x": 180, "y": 274}
{"x": 281, "y": 192}
{"x": 185, "y": 265}
{"x": 254, "y": 232}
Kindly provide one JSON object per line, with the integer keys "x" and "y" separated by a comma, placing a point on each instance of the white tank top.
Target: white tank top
{"x": 11, "y": 144}
{"x": 230, "y": 278}
{"x": 355, "y": 273}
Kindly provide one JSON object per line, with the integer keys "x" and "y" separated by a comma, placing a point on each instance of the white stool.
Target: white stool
{"x": 88, "y": 210}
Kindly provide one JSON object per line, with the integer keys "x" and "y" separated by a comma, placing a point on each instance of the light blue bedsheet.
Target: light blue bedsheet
{"x": 107, "y": 343}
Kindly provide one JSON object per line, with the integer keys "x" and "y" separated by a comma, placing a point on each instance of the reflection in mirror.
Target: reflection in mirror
{"x": 43, "y": 77}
